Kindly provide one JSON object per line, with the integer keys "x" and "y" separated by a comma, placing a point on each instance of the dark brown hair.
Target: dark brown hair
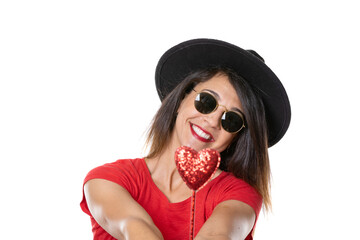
{"x": 247, "y": 156}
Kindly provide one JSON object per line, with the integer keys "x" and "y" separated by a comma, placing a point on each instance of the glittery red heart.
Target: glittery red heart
{"x": 196, "y": 168}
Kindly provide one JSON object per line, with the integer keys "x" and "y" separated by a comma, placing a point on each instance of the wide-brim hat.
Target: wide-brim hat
{"x": 186, "y": 57}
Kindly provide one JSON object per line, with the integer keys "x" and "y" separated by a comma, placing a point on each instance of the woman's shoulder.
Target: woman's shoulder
{"x": 126, "y": 163}
{"x": 135, "y": 163}
{"x": 117, "y": 169}
{"x": 227, "y": 178}
{"x": 228, "y": 187}
{"x": 123, "y": 172}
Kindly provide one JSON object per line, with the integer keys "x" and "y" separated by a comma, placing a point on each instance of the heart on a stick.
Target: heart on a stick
{"x": 196, "y": 168}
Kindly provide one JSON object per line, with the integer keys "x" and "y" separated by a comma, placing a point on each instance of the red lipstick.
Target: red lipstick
{"x": 200, "y": 133}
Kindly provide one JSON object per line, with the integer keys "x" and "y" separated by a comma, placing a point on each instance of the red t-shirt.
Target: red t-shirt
{"x": 172, "y": 219}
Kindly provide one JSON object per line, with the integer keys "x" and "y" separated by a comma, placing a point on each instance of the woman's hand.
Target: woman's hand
{"x": 230, "y": 219}
{"x": 117, "y": 212}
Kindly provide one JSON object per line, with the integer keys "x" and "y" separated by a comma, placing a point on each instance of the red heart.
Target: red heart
{"x": 196, "y": 168}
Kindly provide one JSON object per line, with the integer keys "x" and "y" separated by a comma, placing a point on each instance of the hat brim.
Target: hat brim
{"x": 192, "y": 55}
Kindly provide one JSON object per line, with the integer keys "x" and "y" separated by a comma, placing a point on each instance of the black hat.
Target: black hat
{"x": 197, "y": 54}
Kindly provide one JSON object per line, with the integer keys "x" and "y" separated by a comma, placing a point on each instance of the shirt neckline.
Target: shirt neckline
{"x": 162, "y": 195}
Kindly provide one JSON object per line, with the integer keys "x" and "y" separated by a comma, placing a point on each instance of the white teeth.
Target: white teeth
{"x": 199, "y": 132}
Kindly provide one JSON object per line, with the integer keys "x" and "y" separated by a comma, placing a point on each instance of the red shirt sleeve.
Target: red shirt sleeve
{"x": 233, "y": 188}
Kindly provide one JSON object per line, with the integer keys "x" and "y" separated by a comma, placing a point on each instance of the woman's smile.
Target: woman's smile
{"x": 201, "y": 134}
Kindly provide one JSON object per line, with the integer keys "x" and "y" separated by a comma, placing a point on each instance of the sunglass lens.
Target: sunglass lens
{"x": 231, "y": 122}
{"x": 205, "y": 103}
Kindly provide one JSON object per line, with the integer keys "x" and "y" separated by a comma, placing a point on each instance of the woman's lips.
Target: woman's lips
{"x": 200, "y": 133}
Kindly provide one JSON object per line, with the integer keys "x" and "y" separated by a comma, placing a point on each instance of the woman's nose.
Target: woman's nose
{"x": 214, "y": 118}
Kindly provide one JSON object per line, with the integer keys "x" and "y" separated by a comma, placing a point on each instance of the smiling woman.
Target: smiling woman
{"x": 243, "y": 152}
{"x": 214, "y": 95}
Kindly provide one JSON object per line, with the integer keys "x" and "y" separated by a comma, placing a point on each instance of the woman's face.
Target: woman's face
{"x": 198, "y": 130}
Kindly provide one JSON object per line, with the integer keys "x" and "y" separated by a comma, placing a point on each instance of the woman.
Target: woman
{"x": 215, "y": 95}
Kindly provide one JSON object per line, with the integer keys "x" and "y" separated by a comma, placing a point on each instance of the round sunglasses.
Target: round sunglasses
{"x": 231, "y": 121}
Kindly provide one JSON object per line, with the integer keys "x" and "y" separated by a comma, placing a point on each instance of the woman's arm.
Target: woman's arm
{"x": 230, "y": 219}
{"x": 117, "y": 212}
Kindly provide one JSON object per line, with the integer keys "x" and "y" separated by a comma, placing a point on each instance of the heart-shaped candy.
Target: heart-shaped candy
{"x": 196, "y": 168}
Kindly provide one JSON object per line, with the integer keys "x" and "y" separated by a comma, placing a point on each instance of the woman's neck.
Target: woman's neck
{"x": 166, "y": 176}
{"x": 163, "y": 168}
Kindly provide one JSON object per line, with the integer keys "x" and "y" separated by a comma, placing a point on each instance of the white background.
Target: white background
{"x": 77, "y": 90}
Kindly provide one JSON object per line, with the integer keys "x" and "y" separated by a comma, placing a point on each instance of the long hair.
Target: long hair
{"x": 247, "y": 155}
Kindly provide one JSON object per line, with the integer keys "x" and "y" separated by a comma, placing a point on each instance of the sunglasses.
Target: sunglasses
{"x": 231, "y": 121}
